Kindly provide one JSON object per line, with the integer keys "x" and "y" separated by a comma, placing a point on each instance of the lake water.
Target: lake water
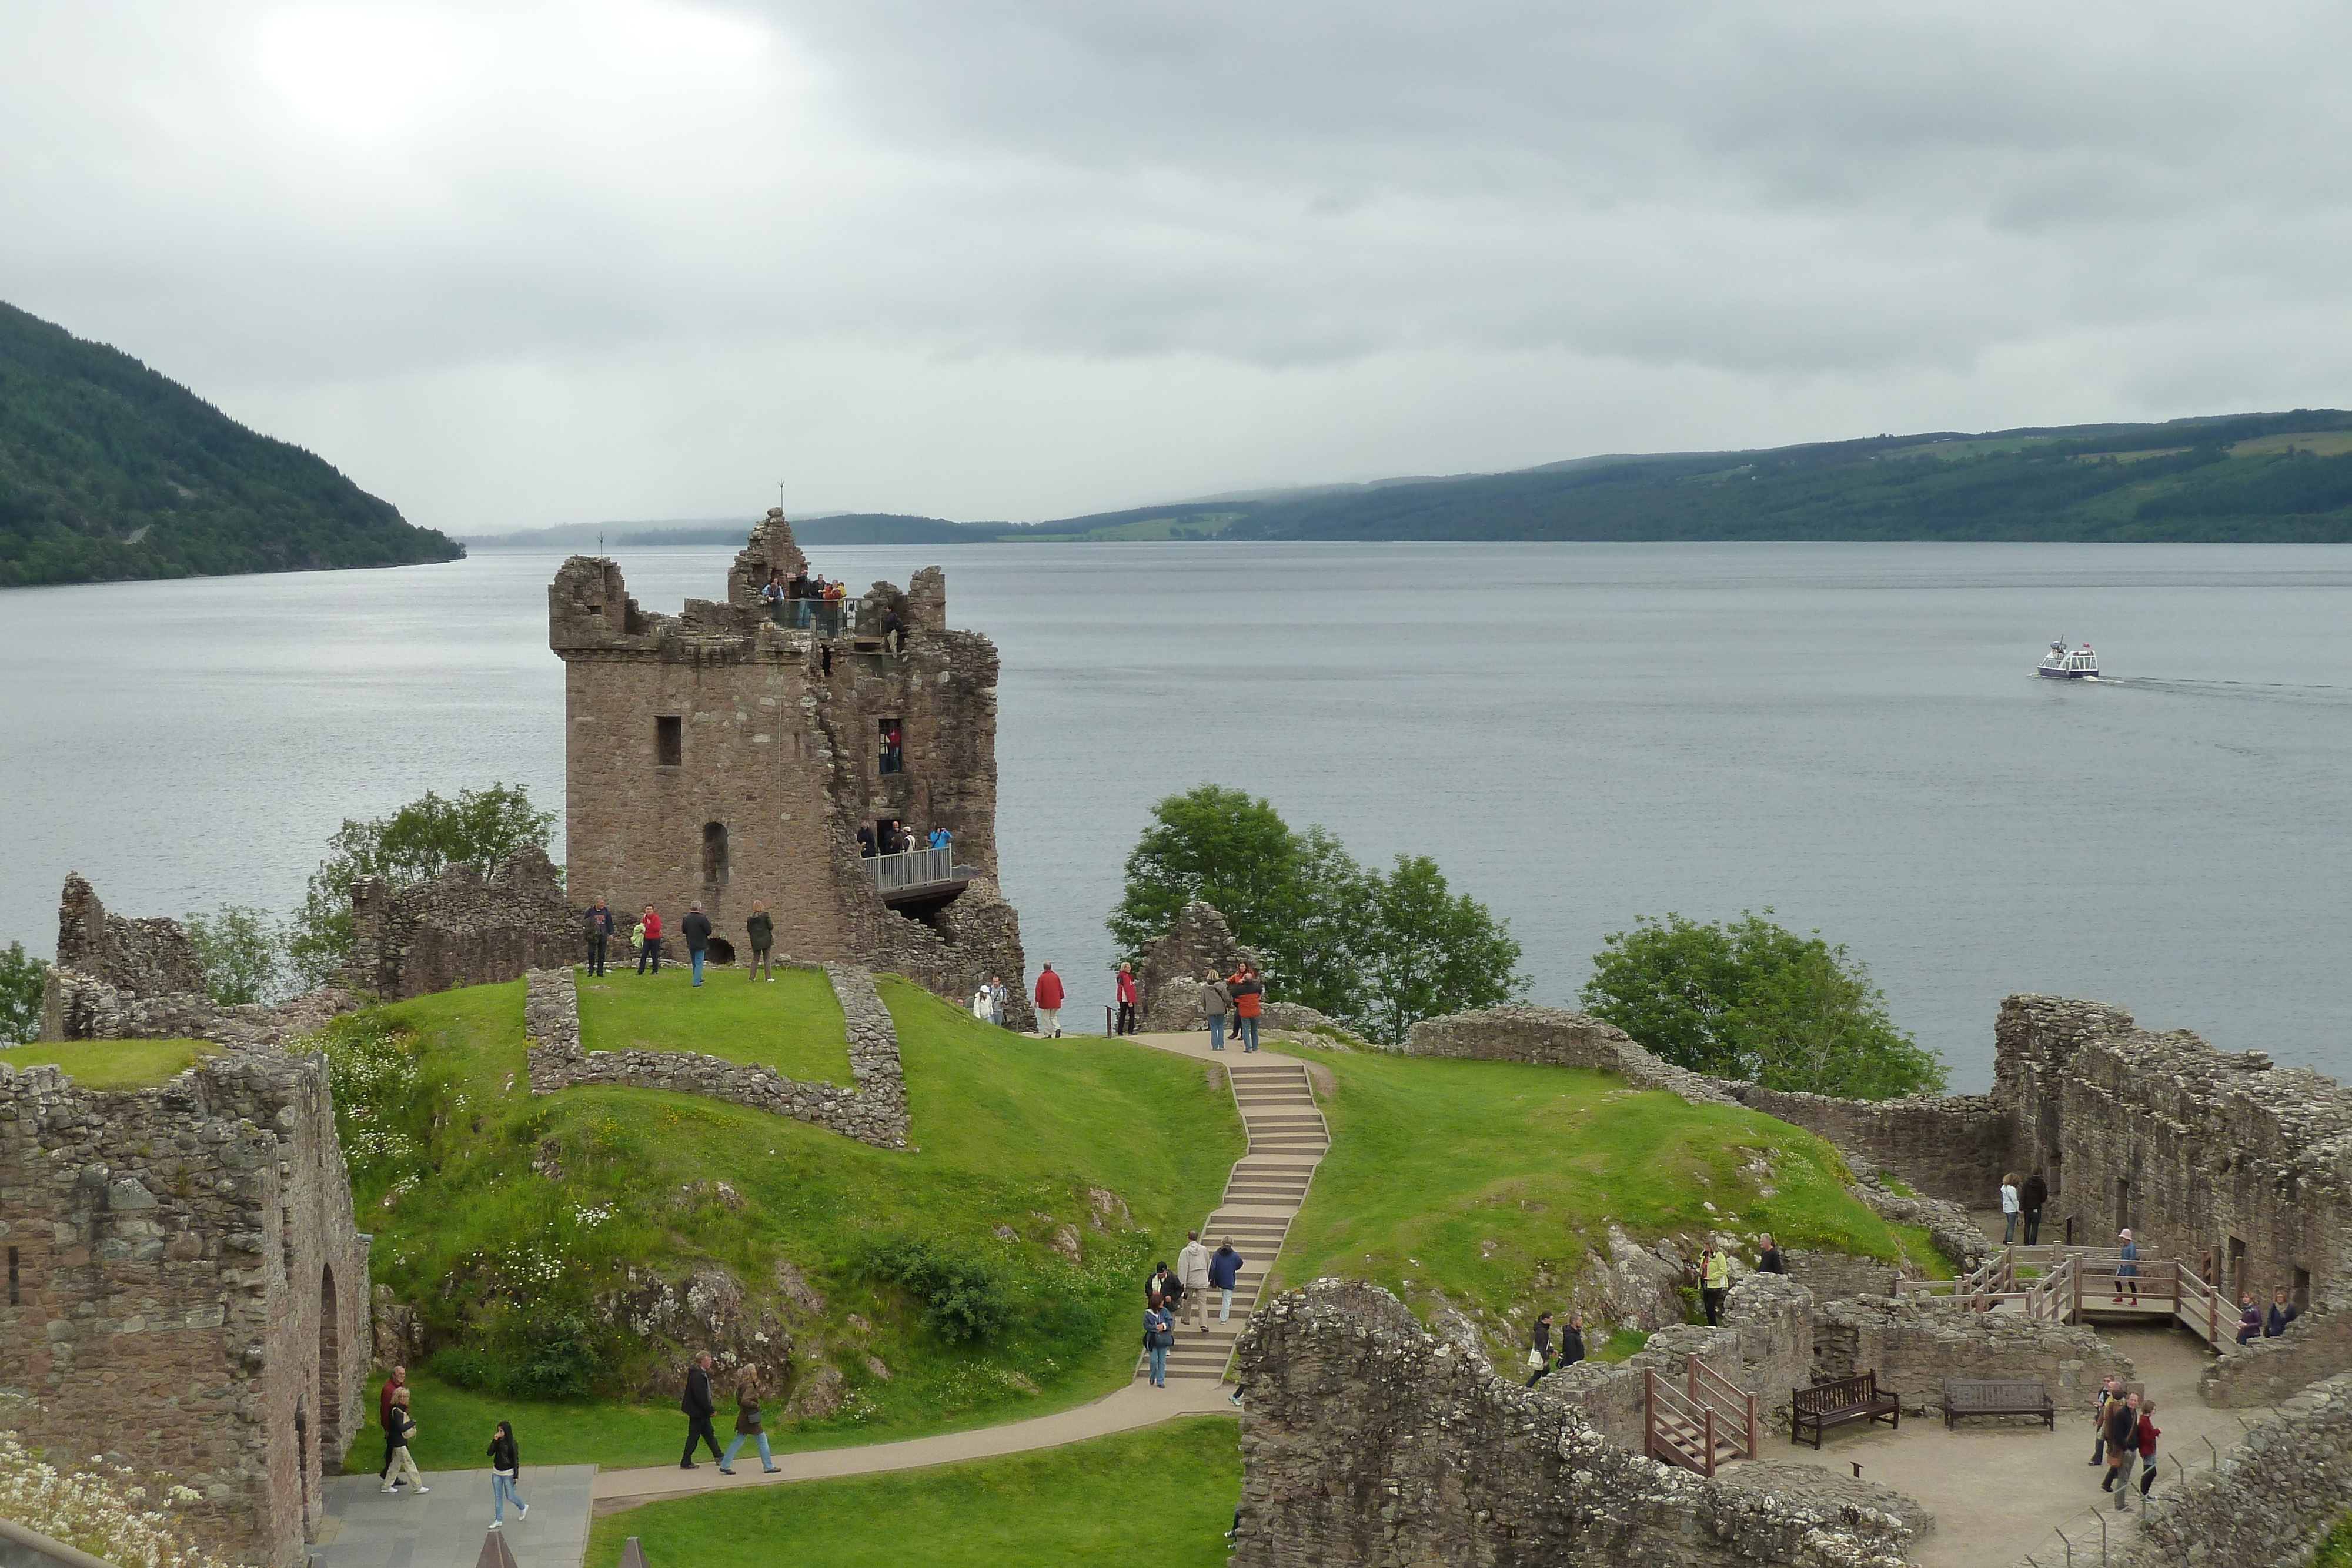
{"x": 1579, "y": 733}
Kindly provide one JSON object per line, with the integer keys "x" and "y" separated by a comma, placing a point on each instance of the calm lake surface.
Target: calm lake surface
{"x": 1579, "y": 733}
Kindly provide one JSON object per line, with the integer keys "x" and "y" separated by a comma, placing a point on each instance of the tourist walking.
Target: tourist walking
{"x": 399, "y": 1427}
{"x": 1571, "y": 1343}
{"x": 980, "y": 1003}
{"x": 2009, "y": 1206}
{"x": 1224, "y": 1272}
{"x": 649, "y": 940}
{"x": 2147, "y": 1436}
{"x": 1125, "y": 1024}
{"x": 1216, "y": 1001}
{"x": 996, "y": 995}
{"x": 392, "y": 1387}
{"x": 696, "y": 929}
{"x": 598, "y": 924}
{"x": 1163, "y": 1285}
{"x": 759, "y": 930}
{"x": 2109, "y": 1392}
{"x": 1248, "y": 990}
{"x": 1049, "y": 1005}
{"x": 506, "y": 1470}
{"x": 698, "y": 1408}
{"x": 2032, "y": 1197}
{"x": 2250, "y": 1319}
{"x": 889, "y": 630}
{"x": 1713, "y": 1281}
{"x": 2128, "y": 1266}
{"x": 1540, "y": 1349}
{"x": 1768, "y": 1257}
{"x": 2281, "y": 1315}
{"x": 749, "y": 1423}
{"x": 1158, "y": 1334}
{"x": 2122, "y": 1446}
{"x": 1192, "y": 1273}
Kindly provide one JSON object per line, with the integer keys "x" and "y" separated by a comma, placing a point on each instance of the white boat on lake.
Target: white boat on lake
{"x": 2063, "y": 664}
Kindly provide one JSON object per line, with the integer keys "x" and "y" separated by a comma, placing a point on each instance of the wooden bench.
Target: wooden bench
{"x": 1834, "y": 1404}
{"x": 1985, "y": 1397}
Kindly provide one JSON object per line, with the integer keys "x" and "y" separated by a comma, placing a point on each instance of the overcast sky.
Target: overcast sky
{"x": 513, "y": 265}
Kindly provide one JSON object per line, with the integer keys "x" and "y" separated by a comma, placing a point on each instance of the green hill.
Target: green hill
{"x": 109, "y": 471}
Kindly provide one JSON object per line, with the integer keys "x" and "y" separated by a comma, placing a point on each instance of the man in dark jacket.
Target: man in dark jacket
{"x": 2035, "y": 1195}
{"x": 696, "y": 929}
{"x": 1767, "y": 1258}
{"x": 1540, "y": 1349}
{"x": 1571, "y": 1343}
{"x": 698, "y": 1408}
{"x": 1224, "y": 1268}
{"x": 598, "y": 926}
{"x": 2123, "y": 1440}
{"x": 761, "y": 931}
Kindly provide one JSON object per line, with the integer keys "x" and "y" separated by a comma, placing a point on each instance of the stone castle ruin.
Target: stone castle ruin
{"x": 733, "y": 752}
{"x": 460, "y": 929}
{"x": 187, "y": 1291}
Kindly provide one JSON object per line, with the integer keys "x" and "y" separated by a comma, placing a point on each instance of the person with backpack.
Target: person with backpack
{"x": 696, "y": 927}
{"x": 759, "y": 930}
{"x": 749, "y": 1423}
{"x": 506, "y": 1470}
{"x": 399, "y": 1431}
{"x": 598, "y": 929}
{"x": 649, "y": 940}
{"x": 1224, "y": 1271}
{"x": 1248, "y": 991}
{"x": 1158, "y": 1334}
{"x": 1049, "y": 1005}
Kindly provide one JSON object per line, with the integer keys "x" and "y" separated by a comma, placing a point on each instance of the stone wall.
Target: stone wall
{"x": 1556, "y": 1037}
{"x": 1168, "y": 972}
{"x": 1765, "y": 1344}
{"x": 875, "y": 1111}
{"x": 143, "y": 958}
{"x": 1955, "y": 1147}
{"x": 189, "y": 1289}
{"x": 1830, "y": 1275}
{"x": 717, "y": 755}
{"x": 2264, "y": 1372}
{"x": 2267, "y": 1503}
{"x": 457, "y": 929}
{"x": 1369, "y": 1443}
{"x": 1915, "y": 1345}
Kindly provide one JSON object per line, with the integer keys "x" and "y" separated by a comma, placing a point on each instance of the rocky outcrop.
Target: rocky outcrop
{"x": 676, "y": 1319}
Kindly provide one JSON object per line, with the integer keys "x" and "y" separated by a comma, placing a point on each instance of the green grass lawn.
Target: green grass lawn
{"x": 2335, "y": 1552}
{"x": 113, "y": 1063}
{"x": 793, "y": 1024}
{"x": 1491, "y": 1181}
{"x": 1012, "y": 1132}
{"x": 1162, "y": 1497}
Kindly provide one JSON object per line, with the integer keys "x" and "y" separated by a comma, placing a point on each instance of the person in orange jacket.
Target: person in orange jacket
{"x": 1049, "y": 1005}
{"x": 1248, "y": 991}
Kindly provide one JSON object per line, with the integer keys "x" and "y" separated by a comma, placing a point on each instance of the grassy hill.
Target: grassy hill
{"x": 1493, "y": 1184}
{"x": 537, "y": 1284}
{"x": 109, "y": 471}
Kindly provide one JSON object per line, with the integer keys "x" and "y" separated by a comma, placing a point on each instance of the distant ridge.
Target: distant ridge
{"x": 109, "y": 471}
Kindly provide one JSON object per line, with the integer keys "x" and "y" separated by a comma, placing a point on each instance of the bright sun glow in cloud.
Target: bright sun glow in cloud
{"x": 362, "y": 70}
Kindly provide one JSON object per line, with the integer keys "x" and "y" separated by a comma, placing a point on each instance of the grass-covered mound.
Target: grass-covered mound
{"x": 525, "y": 1279}
{"x": 1162, "y": 1497}
{"x": 112, "y": 1064}
{"x": 793, "y": 1024}
{"x": 1494, "y": 1183}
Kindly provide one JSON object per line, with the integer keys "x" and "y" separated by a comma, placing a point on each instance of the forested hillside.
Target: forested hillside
{"x": 109, "y": 471}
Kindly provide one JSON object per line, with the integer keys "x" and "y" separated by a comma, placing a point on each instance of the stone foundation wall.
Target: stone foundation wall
{"x": 190, "y": 1290}
{"x": 1168, "y": 972}
{"x": 2263, "y": 1372}
{"x": 1831, "y": 1276}
{"x": 1914, "y": 1345}
{"x": 150, "y": 956}
{"x": 459, "y": 930}
{"x": 1954, "y": 1147}
{"x": 1556, "y": 1037}
{"x": 1765, "y": 1344}
{"x": 875, "y": 1111}
{"x": 1369, "y": 1443}
{"x": 2268, "y": 1503}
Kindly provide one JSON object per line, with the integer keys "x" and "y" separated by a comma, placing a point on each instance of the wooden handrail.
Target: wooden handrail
{"x": 1715, "y": 1392}
{"x": 1659, "y": 1441}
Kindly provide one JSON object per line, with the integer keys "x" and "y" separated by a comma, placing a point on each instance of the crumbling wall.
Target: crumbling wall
{"x": 1765, "y": 1344}
{"x": 1556, "y": 1037}
{"x": 149, "y": 957}
{"x": 1830, "y": 1275}
{"x": 2266, "y": 1371}
{"x": 188, "y": 1287}
{"x": 1168, "y": 970}
{"x": 2269, "y": 1500}
{"x": 457, "y": 929}
{"x": 1369, "y": 1443}
{"x": 1914, "y": 1344}
{"x": 1952, "y": 1146}
{"x": 873, "y": 1112}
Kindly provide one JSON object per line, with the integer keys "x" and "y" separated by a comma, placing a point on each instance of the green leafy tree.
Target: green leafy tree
{"x": 1425, "y": 951}
{"x": 1752, "y": 1000}
{"x": 244, "y": 955}
{"x": 480, "y": 827}
{"x": 20, "y": 994}
{"x": 1224, "y": 847}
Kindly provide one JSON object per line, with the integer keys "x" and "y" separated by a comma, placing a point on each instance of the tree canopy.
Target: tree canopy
{"x": 1376, "y": 951}
{"x": 20, "y": 994}
{"x": 1751, "y": 1000}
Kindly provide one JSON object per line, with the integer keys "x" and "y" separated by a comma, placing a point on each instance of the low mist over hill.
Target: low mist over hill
{"x": 109, "y": 471}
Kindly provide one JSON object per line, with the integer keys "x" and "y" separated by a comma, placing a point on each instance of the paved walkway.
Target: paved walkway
{"x": 444, "y": 1529}
{"x": 1998, "y": 1491}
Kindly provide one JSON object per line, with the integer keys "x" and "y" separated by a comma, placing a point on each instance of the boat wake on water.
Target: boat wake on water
{"x": 2275, "y": 691}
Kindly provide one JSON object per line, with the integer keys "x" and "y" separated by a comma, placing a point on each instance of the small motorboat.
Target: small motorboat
{"x": 2061, "y": 663}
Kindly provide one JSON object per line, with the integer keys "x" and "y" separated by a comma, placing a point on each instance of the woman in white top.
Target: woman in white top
{"x": 2009, "y": 1207}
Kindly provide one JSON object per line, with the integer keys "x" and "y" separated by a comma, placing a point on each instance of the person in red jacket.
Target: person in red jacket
{"x": 1248, "y": 991}
{"x": 2147, "y": 1436}
{"x": 1049, "y": 1005}
{"x": 649, "y": 946}
{"x": 1126, "y": 998}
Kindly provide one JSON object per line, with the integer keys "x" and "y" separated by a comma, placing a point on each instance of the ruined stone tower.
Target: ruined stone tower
{"x": 732, "y": 752}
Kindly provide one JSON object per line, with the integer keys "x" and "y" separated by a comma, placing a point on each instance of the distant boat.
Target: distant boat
{"x": 2059, "y": 664}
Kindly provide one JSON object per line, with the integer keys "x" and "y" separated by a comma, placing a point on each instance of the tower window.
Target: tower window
{"x": 670, "y": 741}
{"x": 14, "y": 1300}
{"x": 714, "y": 854}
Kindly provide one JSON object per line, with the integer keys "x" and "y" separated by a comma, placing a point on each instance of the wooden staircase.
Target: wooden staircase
{"x": 1701, "y": 1425}
{"x": 1287, "y": 1139}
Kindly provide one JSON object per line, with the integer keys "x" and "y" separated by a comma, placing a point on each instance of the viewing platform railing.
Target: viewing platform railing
{"x": 826, "y": 617}
{"x": 912, "y": 869}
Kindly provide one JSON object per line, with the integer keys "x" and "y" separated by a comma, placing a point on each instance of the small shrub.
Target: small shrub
{"x": 962, "y": 1298}
{"x": 465, "y": 1366}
